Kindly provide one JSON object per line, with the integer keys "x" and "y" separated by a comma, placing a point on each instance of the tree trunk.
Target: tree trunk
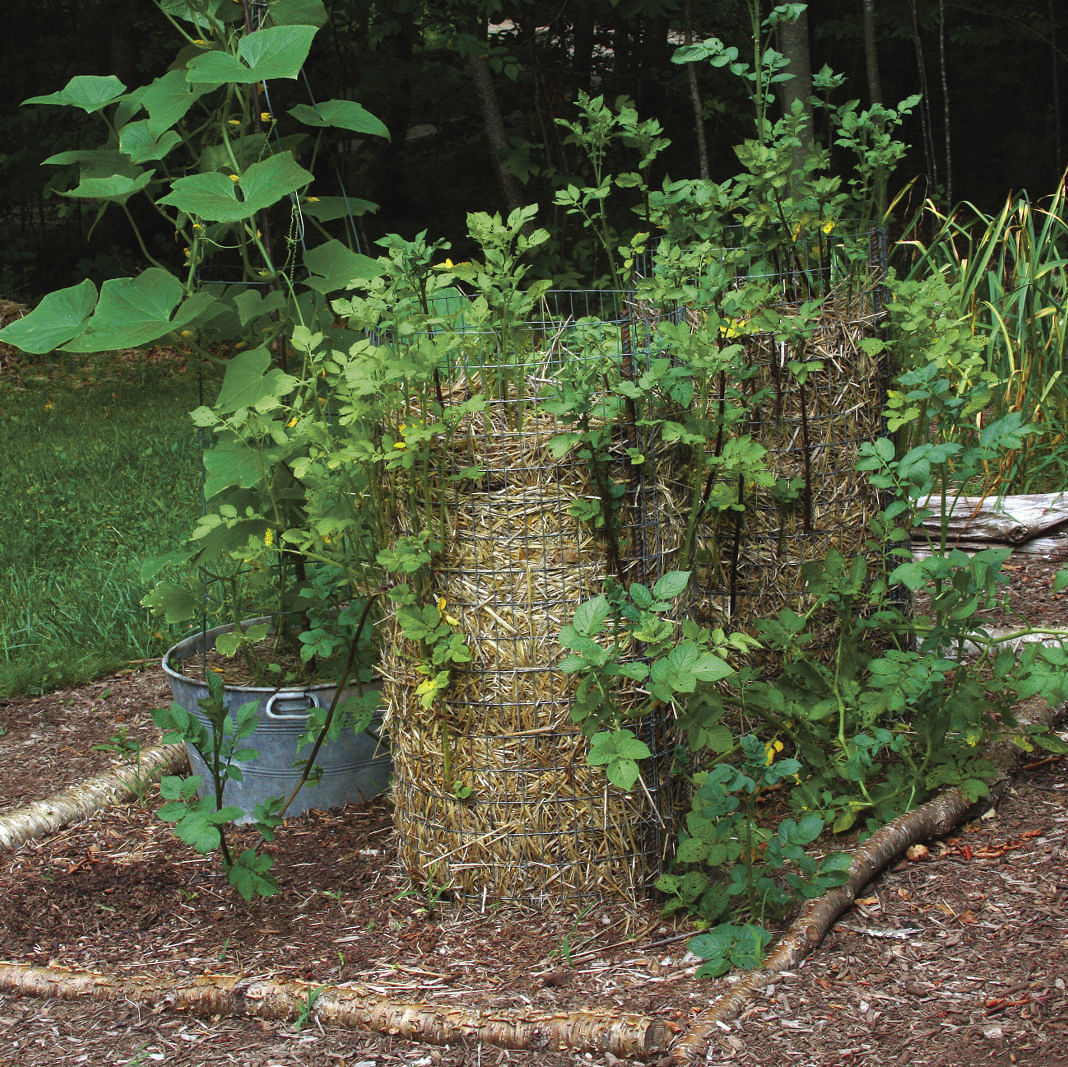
{"x": 871, "y": 55}
{"x": 601, "y": 1032}
{"x": 793, "y": 43}
{"x": 88, "y": 797}
{"x": 945, "y": 97}
{"x": 493, "y": 124}
{"x": 695, "y": 99}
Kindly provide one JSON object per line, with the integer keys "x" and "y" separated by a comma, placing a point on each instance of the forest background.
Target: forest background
{"x": 470, "y": 91}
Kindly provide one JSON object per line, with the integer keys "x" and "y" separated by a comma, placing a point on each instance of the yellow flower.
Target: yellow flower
{"x": 200, "y": 42}
{"x": 312, "y": 199}
{"x": 828, "y": 226}
{"x": 736, "y": 328}
{"x": 400, "y": 444}
{"x": 49, "y": 405}
{"x": 234, "y": 122}
{"x": 268, "y": 537}
{"x": 770, "y": 750}
{"x": 450, "y": 619}
{"x": 198, "y": 226}
{"x": 235, "y": 178}
{"x": 187, "y": 333}
{"x": 292, "y": 422}
{"x": 265, "y": 116}
{"x": 447, "y": 265}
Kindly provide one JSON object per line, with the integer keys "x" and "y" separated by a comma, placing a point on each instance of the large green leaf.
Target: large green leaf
{"x": 344, "y": 114}
{"x": 167, "y": 100}
{"x": 56, "y": 319}
{"x": 135, "y": 311}
{"x": 328, "y": 208}
{"x": 249, "y": 379}
{"x": 94, "y": 161}
{"x": 334, "y": 265}
{"x": 276, "y": 52}
{"x": 202, "y": 13}
{"x": 268, "y": 182}
{"x": 138, "y": 141}
{"x": 90, "y": 92}
{"x": 214, "y": 196}
{"x": 115, "y": 187}
{"x": 234, "y": 463}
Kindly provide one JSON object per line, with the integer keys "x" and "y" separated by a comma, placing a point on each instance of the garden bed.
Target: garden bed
{"x": 119, "y": 895}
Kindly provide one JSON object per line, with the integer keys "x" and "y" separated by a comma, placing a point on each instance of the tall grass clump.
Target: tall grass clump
{"x": 101, "y": 471}
{"x": 1009, "y": 276}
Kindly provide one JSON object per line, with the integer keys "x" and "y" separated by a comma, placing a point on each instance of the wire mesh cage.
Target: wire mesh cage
{"x": 535, "y": 821}
{"x": 493, "y": 794}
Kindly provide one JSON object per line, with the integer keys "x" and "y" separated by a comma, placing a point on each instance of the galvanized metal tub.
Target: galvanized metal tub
{"x": 354, "y": 767}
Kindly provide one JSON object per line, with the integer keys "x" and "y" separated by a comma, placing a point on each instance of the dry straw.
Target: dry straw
{"x": 539, "y": 824}
{"x": 750, "y": 560}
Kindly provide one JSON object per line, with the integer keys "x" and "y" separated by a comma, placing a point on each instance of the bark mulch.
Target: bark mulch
{"x": 956, "y": 956}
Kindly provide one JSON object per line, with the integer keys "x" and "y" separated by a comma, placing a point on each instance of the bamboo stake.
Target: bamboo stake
{"x": 619, "y": 1033}
{"x": 83, "y": 799}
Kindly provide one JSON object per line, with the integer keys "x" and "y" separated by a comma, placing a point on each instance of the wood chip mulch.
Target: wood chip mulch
{"x": 956, "y": 957}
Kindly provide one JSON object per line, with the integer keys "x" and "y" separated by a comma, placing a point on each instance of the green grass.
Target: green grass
{"x": 101, "y": 471}
{"x": 1013, "y": 267}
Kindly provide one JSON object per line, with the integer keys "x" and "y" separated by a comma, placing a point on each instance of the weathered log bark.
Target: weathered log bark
{"x": 618, "y": 1033}
{"x": 1014, "y": 519}
{"x": 934, "y": 819}
{"x": 1054, "y": 547}
{"x": 84, "y": 799}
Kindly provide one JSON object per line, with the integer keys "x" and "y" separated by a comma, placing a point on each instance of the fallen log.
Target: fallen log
{"x": 934, "y": 819}
{"x": 621, "y": 1034}
{"x": 1010, "y": 519}
{"x": 88, "y": 797}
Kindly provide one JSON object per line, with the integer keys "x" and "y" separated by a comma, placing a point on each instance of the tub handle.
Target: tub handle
{"x": 310, "y": 701}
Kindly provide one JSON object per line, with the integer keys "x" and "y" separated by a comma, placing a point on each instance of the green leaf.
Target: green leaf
{"x": 328, "y": 208}
{"x": 344, "y": 114}
{"x": 90, "y": 92}
{"x": 176, "y": 603}
{"x": 591, "y": 615}
{"x": 250, "y": 379}
{"x": 56, "y": 319}
{"x": 233, "y": 463}
{"x": 299, "y": 13}
{"x": 276, "y": 52}
{"x": 138, "y": 141}
{"x": 249, "y": 875}
{"x": 214, "y": 196}
{"x": 117, "y": 188}
{"x": 135, "y": 311}
{"x": 334, "y": 266}
{"x": 692, "y": 850}
{"x": 167, "y": 100}
{"x": 672, "y": 584}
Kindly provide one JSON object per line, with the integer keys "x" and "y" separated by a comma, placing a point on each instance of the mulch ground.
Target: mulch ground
{"x": 959, "y": 957}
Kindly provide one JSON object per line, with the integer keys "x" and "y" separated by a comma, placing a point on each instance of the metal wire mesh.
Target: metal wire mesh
{"x": 539, "y": 824}
{"x": 493, "y": 795}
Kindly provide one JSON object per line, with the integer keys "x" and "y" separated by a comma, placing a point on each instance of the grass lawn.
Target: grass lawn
{"x": 101, "y": 471}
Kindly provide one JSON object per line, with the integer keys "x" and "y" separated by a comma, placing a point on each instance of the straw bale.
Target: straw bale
{"x": 749, "y": 562}
{"x": 540, "y": 823}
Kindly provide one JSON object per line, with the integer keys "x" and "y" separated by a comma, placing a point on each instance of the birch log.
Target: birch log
{"x": 615, "y": 1032}
{"x": 86, "y": 798}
